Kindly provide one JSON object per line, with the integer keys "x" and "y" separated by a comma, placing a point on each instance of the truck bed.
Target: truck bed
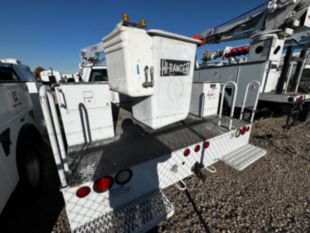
{"x": 134, "y": 144}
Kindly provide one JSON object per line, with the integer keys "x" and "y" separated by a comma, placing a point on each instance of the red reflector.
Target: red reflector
{"x": 83, "y": 192}
{"x": 232, "y": 52}
{"x": 237, "y": 51}
{"x": 186, "y": 152}
{"x": 206, "y": 145}
{"x": 241, "y": 50}
{"x": 243, "y": 130}
{"x": 197, "y": 148}
{"x": 103, "y": 184}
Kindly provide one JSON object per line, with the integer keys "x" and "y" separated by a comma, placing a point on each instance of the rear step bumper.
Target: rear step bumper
{"x": 243, "y": 156}
{"x": 136, "y": 216}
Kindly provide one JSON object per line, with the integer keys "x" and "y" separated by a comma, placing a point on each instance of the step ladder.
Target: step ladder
{"x": 243, "y": 157}
{"x": 137, "y": 216}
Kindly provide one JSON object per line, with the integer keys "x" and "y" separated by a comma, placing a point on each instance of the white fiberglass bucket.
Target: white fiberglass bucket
{"x": 152, "y": 63}
{"x": 174, "y": 59}
{"x": 128, "y": 52}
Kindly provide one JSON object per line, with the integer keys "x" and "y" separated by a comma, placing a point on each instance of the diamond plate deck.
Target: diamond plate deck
{"x": 137, "y": 216}
{"x": 135, "y": 144}
{"x": 243, "y": 157}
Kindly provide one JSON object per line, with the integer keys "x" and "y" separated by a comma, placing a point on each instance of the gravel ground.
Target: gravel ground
{"x": 272, "y": 195}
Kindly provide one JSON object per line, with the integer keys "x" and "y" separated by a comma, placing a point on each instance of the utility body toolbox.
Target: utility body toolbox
{"x": 205, "y": 98}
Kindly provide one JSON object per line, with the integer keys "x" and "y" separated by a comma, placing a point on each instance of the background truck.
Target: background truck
{"x": 93, "y": 69}
{"x": 24, "y": 156}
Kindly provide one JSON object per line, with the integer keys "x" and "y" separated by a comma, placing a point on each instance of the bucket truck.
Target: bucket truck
{"x": 274, "y": 28}
{"x": 114, "y": 164}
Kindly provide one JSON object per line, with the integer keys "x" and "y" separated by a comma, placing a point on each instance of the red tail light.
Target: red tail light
{"x": 186, "y": 152}
{"x": 243, "y": 130}
{"x": 83, "y": 192}
{"x": 197, "y": 148}
{"x": 206, "y": 145}
{"x": 299, "y": 99}
{"x": 103, "y": 184}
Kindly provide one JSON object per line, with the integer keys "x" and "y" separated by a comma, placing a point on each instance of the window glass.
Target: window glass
{"x": 7, "y": 74}
{"x": 98, "y": 75}
{"x": 25, "y": 74}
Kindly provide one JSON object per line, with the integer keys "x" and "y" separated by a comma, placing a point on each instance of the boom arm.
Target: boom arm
{"x": 273, "y": 16}
{"x": 91, "y": 53}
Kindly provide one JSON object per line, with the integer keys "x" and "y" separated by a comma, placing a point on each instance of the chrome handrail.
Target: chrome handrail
{"x": 245, "y": 98}
{"x": 44, "y": 99}
{"x": 233, "y": 103}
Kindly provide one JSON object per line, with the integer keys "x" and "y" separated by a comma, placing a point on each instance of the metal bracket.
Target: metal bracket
{"x": 183, "y": 187}
{"x": 197, "y": 170}
{"x": 211, "y": 169}
{"x": 148, "y": 83}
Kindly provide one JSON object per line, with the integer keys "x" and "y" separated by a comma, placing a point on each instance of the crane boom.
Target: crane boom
{"x": 91, "y": 54}
{"x": 275, "y": 16}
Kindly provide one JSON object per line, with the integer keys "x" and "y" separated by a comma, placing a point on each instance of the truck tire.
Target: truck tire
{"x": 32, "y": 164}
{"x": 37, "y": 169}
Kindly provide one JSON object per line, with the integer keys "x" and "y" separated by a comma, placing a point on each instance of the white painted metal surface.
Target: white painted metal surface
{"x": 174, "y": 60}
{"x": 205, "y": 98}
{"x": 86, "y": 112}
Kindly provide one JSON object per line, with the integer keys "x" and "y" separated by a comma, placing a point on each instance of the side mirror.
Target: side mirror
{"x": 50, "y": 77}
{"x": 45, "y": 77}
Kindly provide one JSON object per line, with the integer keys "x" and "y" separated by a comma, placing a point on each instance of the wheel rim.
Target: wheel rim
{"x": 32, "y": 167}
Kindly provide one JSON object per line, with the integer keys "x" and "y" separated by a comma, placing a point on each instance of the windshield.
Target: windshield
{"x": 7, "y": 74}
{"x": 25, "y": 74}
{"x": 99, "y": 75}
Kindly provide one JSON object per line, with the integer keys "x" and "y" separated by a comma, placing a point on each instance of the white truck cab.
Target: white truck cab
{"x": 94, "y": 73}
{"x": 20, "y": 129}
{"x": 99, "y": 73}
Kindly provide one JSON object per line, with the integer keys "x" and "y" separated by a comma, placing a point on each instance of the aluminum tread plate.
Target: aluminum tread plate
{"x": 137, "y": 216}
{"x": 243, "y": 157}
{"x": 135, "y": 144}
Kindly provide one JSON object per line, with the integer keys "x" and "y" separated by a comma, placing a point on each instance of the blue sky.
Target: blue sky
{"x": 51, "y": 33}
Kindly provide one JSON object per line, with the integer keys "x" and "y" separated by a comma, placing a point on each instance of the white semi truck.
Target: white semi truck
{"x": 114, "y": 164}
{"x": 24, "y": 156}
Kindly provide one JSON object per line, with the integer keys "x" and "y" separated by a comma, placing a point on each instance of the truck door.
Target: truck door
{"x": 7, "y": 166}
{"x": 14, "y": 103}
